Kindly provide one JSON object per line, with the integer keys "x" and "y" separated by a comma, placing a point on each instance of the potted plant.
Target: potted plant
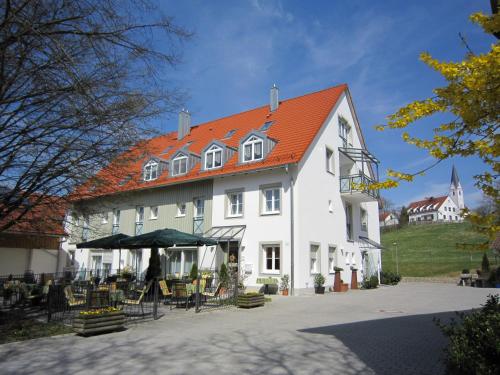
{"x": 284, "y": 285}
{"x": 193, "y": 275}
{"x": 319, "y": 281}
{"x": 126, "y": 273}
{"x": 223, "y": 277}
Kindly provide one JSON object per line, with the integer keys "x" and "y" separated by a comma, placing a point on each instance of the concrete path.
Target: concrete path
{"x": 384, "y": 331}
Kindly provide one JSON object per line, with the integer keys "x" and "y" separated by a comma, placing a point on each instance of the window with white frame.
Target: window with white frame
{"x": 331, "y": 259}
{"x": 181, "y": 209}
{"x": 272, "y": 261}
{"x": 348, "y": 221}
{"x": 153, "y": 212}
{"x": 213, "y": 157}
{"x": 344, "y": 132}
{"x": 315, "y": 266}
{"x": 199, "y": 207}
{"x": 151, "y": 171}
{"x": 271, "y": 200}
{"x": 252, "y": 149}
{"x": 329, "y": 161}
{"x": 179, "y": 165}
{"x": 235, "y": 204}
{"x": 364, "y": 219}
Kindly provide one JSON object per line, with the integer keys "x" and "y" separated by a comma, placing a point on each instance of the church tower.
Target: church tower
{"x": 456, "y": 193}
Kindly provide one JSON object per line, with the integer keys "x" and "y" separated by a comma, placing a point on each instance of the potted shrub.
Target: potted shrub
{"x": 193, "y": 275}
{"x": 223, "y": 277}
{"x": 319, "y": 281}
{"x": 284, "y": 285}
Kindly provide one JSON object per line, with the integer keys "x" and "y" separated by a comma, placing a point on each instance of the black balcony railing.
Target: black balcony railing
{"x": 358, "y": 183}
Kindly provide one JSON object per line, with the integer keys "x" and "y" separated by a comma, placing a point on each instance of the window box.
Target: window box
{"x": 99, "y": 321}
{"x": 250, "y": 300}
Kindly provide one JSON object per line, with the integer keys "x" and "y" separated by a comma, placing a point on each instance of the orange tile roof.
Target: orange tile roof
{"x": 383, "y": 216}
{"x": 428, "y": 201}
{"x": 295, "y": 124}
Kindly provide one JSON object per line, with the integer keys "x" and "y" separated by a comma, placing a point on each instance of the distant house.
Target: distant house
{"x": 35, "y": 242}
{"x": 387, "y": 219}
{"x": 444, "y": 208}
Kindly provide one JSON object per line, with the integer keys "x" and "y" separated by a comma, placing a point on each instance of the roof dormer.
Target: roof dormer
{"x": 182, "y": 162}
{"x": 215, "y": 155}
{"x": 255, "y": 146}
{"x": 153, "y": 168}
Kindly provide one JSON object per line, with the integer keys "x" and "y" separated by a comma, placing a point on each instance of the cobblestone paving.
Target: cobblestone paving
{"x": 384, "y": 331}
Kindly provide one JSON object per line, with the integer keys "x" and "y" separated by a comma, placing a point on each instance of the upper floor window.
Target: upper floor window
{"x": 235, "y": 204}
{"x": 179, "y": 165}
{"x": 252, "y": 149}
{"x": 199, "y": 207}
{"x": 151, "y": 171}
{"x": 153, "y": 212}
{"x": 329, "y": 160}
{"x": 364, "y": 220}
{"x": 331, "y": 259}
{"x": 181, "y": 209}
{"x": 213, "y": 157}
{"x": 344, "y": 132}
{"x": 272, "y": 200}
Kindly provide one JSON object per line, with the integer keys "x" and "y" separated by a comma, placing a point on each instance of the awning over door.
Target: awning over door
{"x": 370, "y": 243}
{"x": 226, "y": 233}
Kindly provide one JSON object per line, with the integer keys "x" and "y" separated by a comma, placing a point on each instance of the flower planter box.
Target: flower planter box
{"x": 251, "y": 300}
{"x": 98, "y": 323}
{"x": 319, "y": 289}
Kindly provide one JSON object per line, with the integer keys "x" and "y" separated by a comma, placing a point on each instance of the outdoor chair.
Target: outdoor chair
{"x": 139, "y": 301}
{"x": 71, "y": 300}
{"x": 213, "y": 295}
{"x": 165, "y": 292}
{"x": 180, "y": 293}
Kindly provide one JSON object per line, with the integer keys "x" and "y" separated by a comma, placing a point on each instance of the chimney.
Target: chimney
{"x": 184, "y": 124}
{"x": 274, "y": 98}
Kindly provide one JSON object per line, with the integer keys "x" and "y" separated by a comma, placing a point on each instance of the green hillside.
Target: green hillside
{"x": 430, "y": 250}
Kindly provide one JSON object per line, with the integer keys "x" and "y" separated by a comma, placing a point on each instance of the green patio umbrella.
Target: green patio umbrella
{"x": 165, "y": 238}
{"x": 109, "y": 242}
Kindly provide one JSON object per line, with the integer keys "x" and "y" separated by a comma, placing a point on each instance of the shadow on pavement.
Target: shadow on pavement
{"x": 396, "y": 345}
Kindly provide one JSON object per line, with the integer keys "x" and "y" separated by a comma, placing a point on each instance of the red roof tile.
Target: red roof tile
{"x": 427, "y": 202}
{"x": 295, "y": 124}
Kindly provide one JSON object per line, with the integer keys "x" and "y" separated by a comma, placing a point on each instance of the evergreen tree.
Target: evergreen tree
{"x": 154, "y": 269}
{"x": 403, "y": 217}
{"x": 194, "y": 272}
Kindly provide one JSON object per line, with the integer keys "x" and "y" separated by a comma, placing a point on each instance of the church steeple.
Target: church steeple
{"x": 456, "y": 193}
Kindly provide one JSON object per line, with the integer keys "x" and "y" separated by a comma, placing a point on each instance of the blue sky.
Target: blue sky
{"x": 240, "y": 48}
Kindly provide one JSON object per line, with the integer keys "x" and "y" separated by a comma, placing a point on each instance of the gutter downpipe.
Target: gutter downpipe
{"x": 292, "y": 234}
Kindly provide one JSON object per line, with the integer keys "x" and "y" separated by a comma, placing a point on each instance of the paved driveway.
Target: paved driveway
{"x": 383, "y": 331}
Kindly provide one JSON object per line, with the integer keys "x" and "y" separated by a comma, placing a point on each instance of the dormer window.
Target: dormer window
{"x": 151, "y": 171}
{"x": 213, "y": 157}
{"x": 179, "y": 165}
{"x": 252, "y": 149}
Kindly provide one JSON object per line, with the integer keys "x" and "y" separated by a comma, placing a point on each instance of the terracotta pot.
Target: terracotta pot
{"x": 354, "y": 279}
{"x": 284, "y": 292}
{"x": 337, "y": 282}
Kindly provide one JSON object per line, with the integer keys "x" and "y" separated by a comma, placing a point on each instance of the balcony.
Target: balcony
{"x": 355, "y": 187}
{"x": 358, "y": 170}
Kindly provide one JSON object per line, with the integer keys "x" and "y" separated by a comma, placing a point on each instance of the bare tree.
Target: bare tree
{"x": 79, "y": 81}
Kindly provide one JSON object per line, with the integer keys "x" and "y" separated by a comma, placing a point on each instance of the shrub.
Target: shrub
{"x": 370, "y": 283}
{"x": 193, "y": 275}
{"x": 319, "y": 280}
{"x": 465, "y": 271}
{"x": 154, "y": 269}
{"x": 389, "y": 278}
{"x": 485, "y": 264}
{"x": 223, "y": 275}
{"x": 473, "y": 346}
{"x": 337, "y": 269}
{"x": 284, "y": 283}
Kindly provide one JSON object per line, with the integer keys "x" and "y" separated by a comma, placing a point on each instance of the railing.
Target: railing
{"x": 139, "y": 227}
{"x": 358, "y": 183}
{"x": 115, "y": 229}
{"x": 198, "y": 225}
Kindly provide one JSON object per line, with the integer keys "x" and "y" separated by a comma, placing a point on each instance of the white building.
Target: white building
{"x": 388, "y": 219}
{"x": 282, "y": 186}
{"x": 446, "y": 208}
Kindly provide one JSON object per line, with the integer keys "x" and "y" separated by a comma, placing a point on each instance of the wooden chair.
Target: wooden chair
{"x": 212, "y": 295}
{"x": 71, "y": 300}
{"x": 180, "y": 293}
{"x": 139, "y": 301}
{"x": 165, "y": 292}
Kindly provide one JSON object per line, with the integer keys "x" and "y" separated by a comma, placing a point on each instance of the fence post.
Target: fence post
{"x": 198, "y": 280}
{"x": 155, "y": 296}
{"x": 49, "y": 313}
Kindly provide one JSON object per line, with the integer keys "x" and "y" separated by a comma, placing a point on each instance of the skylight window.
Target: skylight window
{"x": 266, "y": 126}
{"x": 230, "y": 133}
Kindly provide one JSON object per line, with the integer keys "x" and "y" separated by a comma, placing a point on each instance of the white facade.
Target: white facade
{"x": 448, "y": 211}
{"x": 389, "y": 220}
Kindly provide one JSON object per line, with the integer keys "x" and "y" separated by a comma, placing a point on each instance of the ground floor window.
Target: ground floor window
{"x": 271, "y": 258}
{"x": 331, "y": 259}
{"x": 315, "y": 259}
{"x": 180, "y": 262}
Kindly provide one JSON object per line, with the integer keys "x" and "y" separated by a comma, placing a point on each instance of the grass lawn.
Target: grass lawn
{"x": 27, "y": 329}
{"x": 430, "y": 250}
